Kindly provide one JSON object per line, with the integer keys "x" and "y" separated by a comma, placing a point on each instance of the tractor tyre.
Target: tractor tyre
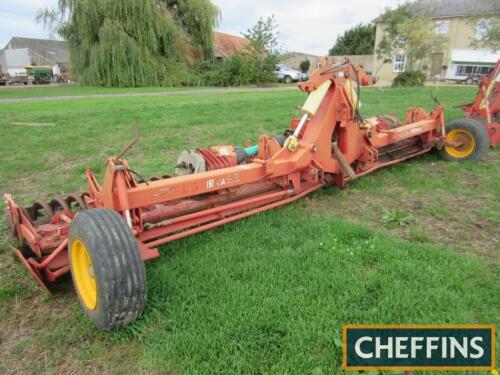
{"x": 107, "y": 268}
{"x": 474, "y": 137}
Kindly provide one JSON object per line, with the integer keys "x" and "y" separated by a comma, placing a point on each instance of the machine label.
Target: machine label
{"x": 216, "y": 183}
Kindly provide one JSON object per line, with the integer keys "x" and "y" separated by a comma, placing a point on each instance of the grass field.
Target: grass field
{"x": 75, "y": 90}
{"x": 415, "y": 243}
{"x": 71, "y": 90}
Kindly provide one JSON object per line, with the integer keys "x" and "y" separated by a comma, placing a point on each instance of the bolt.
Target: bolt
{"x": 314, "y": 149}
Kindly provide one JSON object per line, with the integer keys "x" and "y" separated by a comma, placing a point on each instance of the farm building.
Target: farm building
{"x": 20, "y": 52}
{"x": 226, "y": 45}
{"x": 461, "y": 22}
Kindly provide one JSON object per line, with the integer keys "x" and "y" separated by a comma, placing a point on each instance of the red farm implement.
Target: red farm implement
{"x": 104, "y": 235}
{"x": 485, "y": 109}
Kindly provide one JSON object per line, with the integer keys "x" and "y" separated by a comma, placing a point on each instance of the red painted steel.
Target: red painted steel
{"x": 486, "y": 105}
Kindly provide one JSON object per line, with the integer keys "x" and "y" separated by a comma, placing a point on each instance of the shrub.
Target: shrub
{"x": 305, "y": 65}
{"x": 231, "y": 72}
{"x": 238, "y": 70}
{"x": 180, "y": 75}
{"x": 409, "y": 79}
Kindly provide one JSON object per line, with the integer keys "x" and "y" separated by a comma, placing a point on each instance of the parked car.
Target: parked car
{"x": 288, "y": 75}
{"x": 472, "y": 80}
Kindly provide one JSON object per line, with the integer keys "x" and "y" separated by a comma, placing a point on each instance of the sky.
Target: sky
{"x": 310, "y": 26}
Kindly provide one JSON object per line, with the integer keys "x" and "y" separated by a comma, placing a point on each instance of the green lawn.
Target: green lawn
{"x": 71, "y": 90}
{"x": 415, "y": 243}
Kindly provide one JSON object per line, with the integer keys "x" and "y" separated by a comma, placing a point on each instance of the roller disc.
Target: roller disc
{"x": 76, "y": 203}
{"x": 58, "y": 204}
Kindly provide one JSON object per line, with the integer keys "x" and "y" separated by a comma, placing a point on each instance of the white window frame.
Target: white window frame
{"x": 399, "y": 63}
{"x": 442, "y": 27}
{"x": 471, "y": 70}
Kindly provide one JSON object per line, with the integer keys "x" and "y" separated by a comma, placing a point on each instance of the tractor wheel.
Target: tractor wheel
{"x": 107, "y": 269}
{"x": 473, "y": 137}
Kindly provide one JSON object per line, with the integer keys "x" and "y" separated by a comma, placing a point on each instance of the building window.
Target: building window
{"x": 483, "y": 27}
{"x": 401, "y": 39}
{"x": 399, "y": 63}
{"x": 442, "y": 28}
{"x": 472, "y": 70}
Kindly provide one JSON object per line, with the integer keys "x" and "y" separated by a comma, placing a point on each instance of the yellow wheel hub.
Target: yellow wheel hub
{"x": 466, "y": 141}
{"x": 83, "y": 274}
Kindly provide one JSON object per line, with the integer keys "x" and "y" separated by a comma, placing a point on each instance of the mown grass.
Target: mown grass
{"x": 75, "y": 90}
{"x": 265, "y": 295}
{"x": 72, "y": 90}
{"x": 87, "y": 131}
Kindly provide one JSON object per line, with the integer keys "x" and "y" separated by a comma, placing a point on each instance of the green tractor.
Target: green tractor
{"x": 41, "y": 75}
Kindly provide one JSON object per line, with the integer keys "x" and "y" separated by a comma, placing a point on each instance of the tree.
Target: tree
{"x": 133, "y": 42}
{"x": 261, "y": 51}
{"x": 305, "y": 65}
{"x": 359, "y": 40}
{"x": 413, "y": 36}
{"x": 490, "y": 37}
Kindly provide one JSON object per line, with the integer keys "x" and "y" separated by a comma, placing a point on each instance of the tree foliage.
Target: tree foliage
{"x": 414, "y": 36}
{"x": 359, "y": 40}
{"x": 263, "y": 38}
{"x": 261, "y": 52}
{"x": 491, "y": 37}
{"x": 305, "y": 65}
{"x": 133, "y": 42}
{"x": 409, "y": 79}
{"x": 254, "y": 64}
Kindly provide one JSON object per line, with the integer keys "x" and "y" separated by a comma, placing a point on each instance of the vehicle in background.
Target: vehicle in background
{"x": 472, "y": 80}
{"x": 4, "y": 80}
{"x": 472, "y": 75}
{"x": 40, "y": 75}
{"x": 288, "y": 75}
{"x": 63, "y": 77}
{"x": 19, "y": 79}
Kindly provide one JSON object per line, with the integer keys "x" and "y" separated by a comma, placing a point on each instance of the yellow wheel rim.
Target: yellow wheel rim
{"x": 83, "y": 274}
{"x": 465, "y": 139}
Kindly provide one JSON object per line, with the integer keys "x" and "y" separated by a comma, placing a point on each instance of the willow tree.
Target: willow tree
{"x": 132, "y": 42}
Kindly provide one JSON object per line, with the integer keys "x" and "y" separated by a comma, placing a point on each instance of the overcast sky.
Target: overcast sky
{"x": 309, "y": 26}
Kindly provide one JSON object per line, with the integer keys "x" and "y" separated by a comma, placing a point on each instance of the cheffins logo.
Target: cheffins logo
{"x": 419, "y": 347}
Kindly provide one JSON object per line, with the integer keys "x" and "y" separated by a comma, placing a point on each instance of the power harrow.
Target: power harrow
{"x": 485, "y": 109}
{"x": 103, "y": 236}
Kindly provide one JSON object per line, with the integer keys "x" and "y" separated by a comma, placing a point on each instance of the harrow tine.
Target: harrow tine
{"x": 10, "y": 222}
{"x": 30, "y": 269}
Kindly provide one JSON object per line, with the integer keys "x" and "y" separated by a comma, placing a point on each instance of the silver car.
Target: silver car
{"x": 288, "y": 75}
